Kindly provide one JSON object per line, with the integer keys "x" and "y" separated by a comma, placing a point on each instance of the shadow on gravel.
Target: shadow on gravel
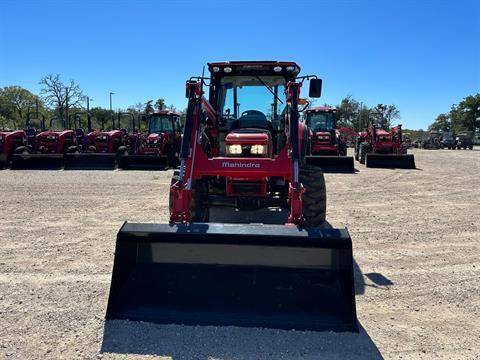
{"x": 206, "y": 342}
{"x": 377, "y": 280}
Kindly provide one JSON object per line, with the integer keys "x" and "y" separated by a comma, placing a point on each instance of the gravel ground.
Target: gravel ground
{"x": 416, "y": 248}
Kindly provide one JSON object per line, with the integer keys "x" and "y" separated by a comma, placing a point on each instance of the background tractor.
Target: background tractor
{"x": 11, "y": 141}
{"x": 243, "y": 148}
{"x": 101, "y": 148}
{"x": 46, "y": 146}
{"x": 464, "y": 140}
{"x": 327, "y": 148}
{"x": 156, "y": 148}
{"x": 379, "y": 148}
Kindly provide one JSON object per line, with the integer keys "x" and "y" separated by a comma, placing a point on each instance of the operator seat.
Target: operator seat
{"x": 251, "y": 119}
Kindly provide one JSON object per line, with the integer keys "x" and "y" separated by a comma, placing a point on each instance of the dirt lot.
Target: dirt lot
{"x": 416, "y": 236}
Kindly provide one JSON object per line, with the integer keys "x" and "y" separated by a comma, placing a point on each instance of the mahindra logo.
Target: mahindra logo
{"x": 226, "y": 164}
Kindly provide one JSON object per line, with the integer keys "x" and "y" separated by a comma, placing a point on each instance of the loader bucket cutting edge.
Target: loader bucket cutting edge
{"x": 332, "y": 163}
{"x": 90, "y": 161}
{"x": 242, "y": 275}
{"x": 142, "y": 162}
{"x": 37, "y": 161}
{"x": 394, "y": 161}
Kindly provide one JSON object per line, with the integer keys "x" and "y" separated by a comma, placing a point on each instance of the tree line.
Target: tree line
{"x": 59, "y": 102}
{"x": 354, "y": 114}
{"x": 464, "y": 116}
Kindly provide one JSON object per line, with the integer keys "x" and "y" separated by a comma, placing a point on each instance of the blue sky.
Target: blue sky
{"x": 422, "y": 56}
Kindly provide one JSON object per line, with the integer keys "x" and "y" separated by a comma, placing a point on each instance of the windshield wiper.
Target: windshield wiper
{"x": 269, "y": 89}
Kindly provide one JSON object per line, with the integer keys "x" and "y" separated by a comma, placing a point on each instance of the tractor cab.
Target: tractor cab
{"x": 251, "y": 99}
{"x": 164, "y": 130}
{"x": 322, "y": 124}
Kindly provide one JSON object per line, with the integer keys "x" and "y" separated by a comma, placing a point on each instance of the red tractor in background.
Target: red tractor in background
{"x": 158, "y": 147}
{"x": 46, "y": 147}
{"x": 243, "y": 148}
{"x": 11, "y": 141}
{"x": 100, "y": 149}
{"x": 383, "y": 149}
{"x": 348, "y": 135}
{"x": 327, "y": 147}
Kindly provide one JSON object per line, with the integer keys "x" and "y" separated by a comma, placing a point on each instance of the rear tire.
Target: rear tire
{"x": 314, "y": 200}
{"x": 364, "y": 149}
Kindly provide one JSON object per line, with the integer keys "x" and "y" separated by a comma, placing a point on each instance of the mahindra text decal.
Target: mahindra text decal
{"x": 227, "y": 164}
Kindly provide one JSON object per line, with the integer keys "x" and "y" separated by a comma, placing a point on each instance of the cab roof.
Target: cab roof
{"x": 316, "y": 109}
{"x": 260, "y": 66}
{"x": 165, "y": 112}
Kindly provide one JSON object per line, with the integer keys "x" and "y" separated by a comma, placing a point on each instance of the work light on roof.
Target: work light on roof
{"x": 290, "y": 68}
{"x": 216, "y": 69}
{"x": 277, "y": 68}
{"x": 227, "y": 69}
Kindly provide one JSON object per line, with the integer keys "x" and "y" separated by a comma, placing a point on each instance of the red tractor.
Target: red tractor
{"x": 46, "y": 147}
{"x": 242, "y": 148}
{"x": 100, "y": 149}
{"x": 158, "y": 147}
{"x": 327, "y": 147}
{"x": 348, "y": 135}
{"x": 11, "y": 141}
{"x": 383, "y": 149}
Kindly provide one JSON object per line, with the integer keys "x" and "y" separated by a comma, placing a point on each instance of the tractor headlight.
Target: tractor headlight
{"x": 257, "y": 149}
{"x": 234, "y": 149}
{"x": 323, "y": 137}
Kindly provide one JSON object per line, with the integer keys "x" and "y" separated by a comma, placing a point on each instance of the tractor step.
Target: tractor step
{"x": 332, "y": 163}
{"x": 272, "y": 276}
{"x": 394, "y": 161}
{"x": 142, "y": 162}
{"x": 90, "y": 161}
{"x": 37, "y": 161}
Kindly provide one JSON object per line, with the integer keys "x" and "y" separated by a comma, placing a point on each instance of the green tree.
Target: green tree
{"x": 15, "y": 102}
{"x": 441, "y": 123}
{"x": 148, "y": 107}
{"x": 383, "y": 115}
{"x": 160, "y": 104}
{"x": 347, "y": 112}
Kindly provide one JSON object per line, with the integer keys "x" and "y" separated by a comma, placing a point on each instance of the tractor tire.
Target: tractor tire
{"x": 199, "y": 211}
{"x": 356, "y": 150}
{"x": 364, "y": 149}
{"x": 314, "y": 200}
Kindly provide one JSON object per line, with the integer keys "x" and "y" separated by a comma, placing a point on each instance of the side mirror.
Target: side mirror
{"x": 315, "y": 90}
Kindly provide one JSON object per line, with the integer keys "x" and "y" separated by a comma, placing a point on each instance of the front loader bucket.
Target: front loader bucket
{"x": 37, "y": 161}
{"x": 332, "y": 163}
{"x": 142, "y": 162}
{"x": 399, "y": 161}
{"x": 90, "y": 161}
{"x": 270, "y": 276}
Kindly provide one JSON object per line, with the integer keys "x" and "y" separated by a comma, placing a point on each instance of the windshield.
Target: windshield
{"x": 160, "y": 123}
{"x": 321, "y": 121}
{"x": 242, "y": 93}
